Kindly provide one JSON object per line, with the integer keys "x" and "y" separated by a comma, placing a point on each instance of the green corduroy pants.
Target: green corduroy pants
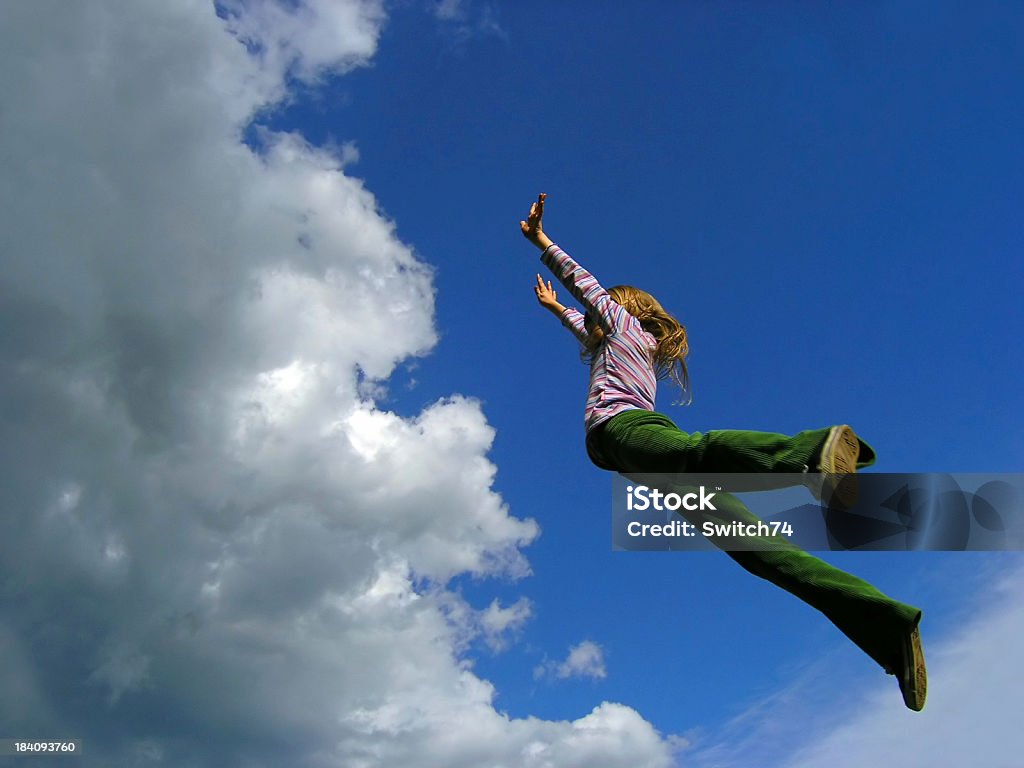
{"x": 639, "y": 441}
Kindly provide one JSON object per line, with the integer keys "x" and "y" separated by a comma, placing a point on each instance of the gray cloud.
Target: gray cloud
{"x": 213, "y": 533}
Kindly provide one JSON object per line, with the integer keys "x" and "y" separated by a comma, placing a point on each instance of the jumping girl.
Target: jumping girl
{"x": 632, "y": 342}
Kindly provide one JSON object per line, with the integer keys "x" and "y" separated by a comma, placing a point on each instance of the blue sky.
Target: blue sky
{"x": 295, "y": 462}
{"x": 827, "y": 196}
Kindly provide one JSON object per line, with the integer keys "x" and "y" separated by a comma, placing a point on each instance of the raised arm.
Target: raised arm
{"x": 568, "y": 316}
{"x": 575, "y": 278}
{"x": 584, "y": 286}
{"x": 533, "y": 229}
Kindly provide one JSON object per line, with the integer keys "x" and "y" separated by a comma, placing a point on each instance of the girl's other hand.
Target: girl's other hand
{"x": 547, "y": 297}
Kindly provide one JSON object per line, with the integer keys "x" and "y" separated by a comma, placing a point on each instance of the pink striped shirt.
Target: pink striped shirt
{"x": 622, "y": 372}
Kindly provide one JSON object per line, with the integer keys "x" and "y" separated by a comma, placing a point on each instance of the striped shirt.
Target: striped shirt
{"x": 622, "y": 373}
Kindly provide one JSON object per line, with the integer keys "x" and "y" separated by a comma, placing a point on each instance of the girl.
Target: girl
{"x": 632, "y": 342}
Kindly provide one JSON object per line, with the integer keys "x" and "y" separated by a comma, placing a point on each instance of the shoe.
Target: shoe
{"x": 913, "y": 675}
{"x": 832, "y": 480}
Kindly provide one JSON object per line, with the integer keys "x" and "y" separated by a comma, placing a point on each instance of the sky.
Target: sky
{"x": 293, "y": 469}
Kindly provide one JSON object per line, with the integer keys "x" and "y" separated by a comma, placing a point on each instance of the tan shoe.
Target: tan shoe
{"x": 833, "y": 480}
{"x": 913, "y": 676}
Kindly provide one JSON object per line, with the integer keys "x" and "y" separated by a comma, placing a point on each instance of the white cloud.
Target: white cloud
{"x": 219, "y": 549}
{"x": 828, "y": 717}
{"x": 586, "y": 659}
{"x": 498, "y": 622}
{"x": 464, "y": 20}
{"x": 307, "y": 39}
{"x": 971, "y": 717}
{"x": 450, "y": 10}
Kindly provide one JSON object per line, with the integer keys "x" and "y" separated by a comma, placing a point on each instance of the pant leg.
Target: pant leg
{"x": 872, "y": 620}
{"x": 646, "y": 442}
{"x": 653, "y": 441}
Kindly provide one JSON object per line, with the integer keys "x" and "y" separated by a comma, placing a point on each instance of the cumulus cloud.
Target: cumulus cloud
{"x": 307, "y": 39}
{"x": 219, "y": 549}
{"x": 585, "y": 659}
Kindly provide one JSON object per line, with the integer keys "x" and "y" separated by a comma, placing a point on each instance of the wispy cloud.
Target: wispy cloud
{"x": 585, "y": 659}
{"x": 498, "y": 623}
{"x": 464, "y": 20}
{"x": 833, "y": 716}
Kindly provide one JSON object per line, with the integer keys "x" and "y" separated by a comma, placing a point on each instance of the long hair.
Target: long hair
{"x": 673, "y": 346}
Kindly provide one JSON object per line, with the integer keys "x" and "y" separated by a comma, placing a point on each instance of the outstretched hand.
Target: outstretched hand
{"x": 547, "y": 297}
{"x": 545, "y": 293}
{"x": 533, "y": 229}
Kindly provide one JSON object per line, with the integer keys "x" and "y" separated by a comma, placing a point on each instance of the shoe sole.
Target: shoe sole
{"x": 838, "y": 464}
{"x": 914, "y": 675}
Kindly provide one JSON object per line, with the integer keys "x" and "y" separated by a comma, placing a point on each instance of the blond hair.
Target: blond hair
{"x": 673, "y": 347}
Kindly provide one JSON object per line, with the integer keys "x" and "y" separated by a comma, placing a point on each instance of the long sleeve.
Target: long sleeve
{"x": 622, "y": 374}
{"x": 573, "y": 320}
{"x": 585, "y": 288}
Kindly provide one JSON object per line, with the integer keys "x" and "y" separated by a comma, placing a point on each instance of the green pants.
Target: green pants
{"x": 647, "y": 442}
